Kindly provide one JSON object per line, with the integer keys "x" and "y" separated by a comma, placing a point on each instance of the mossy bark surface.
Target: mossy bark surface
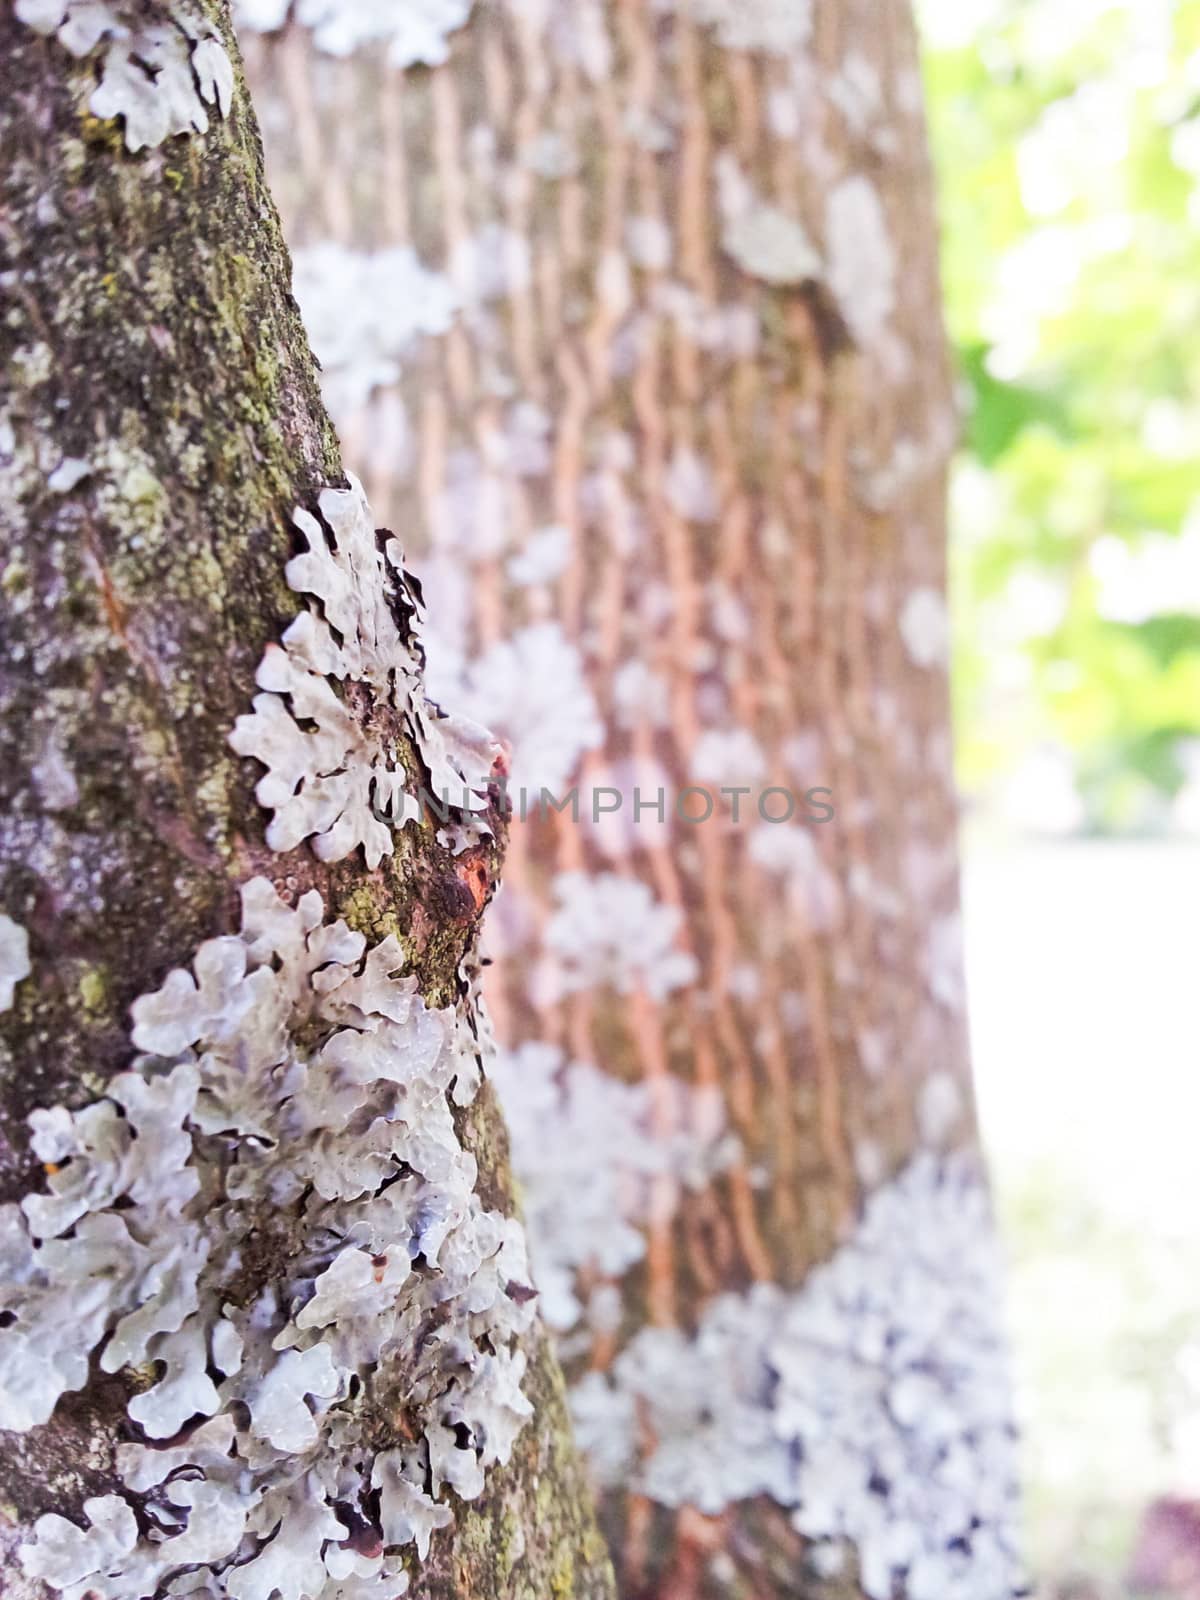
{"x": 149, "y": 336}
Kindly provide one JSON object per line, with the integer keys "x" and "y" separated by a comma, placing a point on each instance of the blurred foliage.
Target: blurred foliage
{"x": 1102, "y": 1313}
{"x": 1067, "y": 138}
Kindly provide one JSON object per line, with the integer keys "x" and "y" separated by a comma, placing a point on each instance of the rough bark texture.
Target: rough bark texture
{"x": 689, "y": 254}
{"x": 149, "y": 331}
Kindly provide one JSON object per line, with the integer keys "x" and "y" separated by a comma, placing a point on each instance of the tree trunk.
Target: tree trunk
{"x": 632, "y": 305}
{"x": 265, "y": 1325}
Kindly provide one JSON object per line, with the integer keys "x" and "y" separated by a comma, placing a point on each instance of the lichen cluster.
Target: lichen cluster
{"x": 336, "y": 772}
{"x": 648, "y": 1145}
{"x": 777, "y": 27}
{"x": 416, "y": 32}
{"x": 270, "y": 1225}
{"x": 14, "y": 958}
{"x": 161, "y": 77}
{"x": 610, "y": 930}
{"x": 531, "y": 689}
{"x": 363, "y": 310}
{"x": 874, "y": 1401}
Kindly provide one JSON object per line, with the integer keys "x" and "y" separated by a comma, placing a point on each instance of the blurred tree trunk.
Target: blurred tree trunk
{"x": 631, "y": 310}
{"x": 162, "y": 420}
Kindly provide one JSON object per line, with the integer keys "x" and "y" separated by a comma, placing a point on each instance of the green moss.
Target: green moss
{"x": 510, "y": 1543}
{"x": 365, "y": 908}
{"x": 15, "y": 577}
{"x": 562, "y": 1579}
{"x": 93, "y": 988}
{"x": 104, "y": 134}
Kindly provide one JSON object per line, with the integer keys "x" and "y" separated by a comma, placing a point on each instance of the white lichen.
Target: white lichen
{"x": 70, "y": 471}
{"x": 689, "y": 486}
{"x": 416, "y": 32}
{"x": 732, "y": 619}
{"x": 65, "y": 1553}
{"x": 573, "y": 32}
{"x": 925, "y": 627}
{"x": 640, "y": 695}
{"x": 335, "y": 766}
{"x": 162, "y": 78}
{"x": 544, "y": 556}
{"x": 476, "y": 513}
{"x": 53, "y": 775}
{"x": 769, "y": 244}
{"x": 727, "y": 330}
{"x": 861, "y": 258}
{"x": 776, "y": 27}
{"x": 874, "y": 1401}
{"x": 647, "y": 1145}
{"x": 649, "y": 242}
{"x": 550, "y": 155}
{"x": 613, "y": 283}
{"x": 531, "y": 690}
{"x": 650, "y": 131}
{"x": 272, "y": 1213}
{"x": 261, "y": 16}
{"x": 764, "y": 240}
{"x": 492, "y": 263}
{"x": 363, "y": 312}
{"x": 522, "y": 443}
{"x": 728, "y": 755}
{"x": 14, "y": 958}
{"x": 944, "y": 962}
{"x": 609, "y": 930}
{"x": 789, "y": 850}
{"x": 940, "y": 1108}
{"x": 857, "y": 91}
{"x": 604, "y": 1421}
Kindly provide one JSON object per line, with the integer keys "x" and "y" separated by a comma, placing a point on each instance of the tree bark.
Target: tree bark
{"x": 647, "y": 291}
{"x": 161, "y": 425}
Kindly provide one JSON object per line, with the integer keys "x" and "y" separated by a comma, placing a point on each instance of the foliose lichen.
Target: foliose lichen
{"x": 776, "y": 27}
{"x": 532, "y": 690}
{"x": 363, "y": 311}
{"x": 161, "y": 77}
{"x": 608, "y": 929}
{"x": 648, "y": 1145}
{"x": 763, "y": 239}
{"x": 336, "y": 772}
{"x": 14, "y": 959}
{"x": 924, "y": 626}
{"x": 862, "y": 258}
{"x": 874, "y": 1401}
{"x": 272, "y": 1211}
{"x": 416, "y": 32}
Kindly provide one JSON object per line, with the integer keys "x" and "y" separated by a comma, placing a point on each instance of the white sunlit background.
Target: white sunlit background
{"x": 1067, "y": 137}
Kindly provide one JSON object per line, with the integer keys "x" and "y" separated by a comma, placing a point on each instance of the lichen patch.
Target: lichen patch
{"x": 775, "y": 27}
{"x": 648, "y": 1146}
{"x": 925, "y": 627}
{"x": 763, "y": 239}
{"x": 336, "y": 772}
{"x": 161, "y": 78}
{"x": 862, "y": 258}
{"x": 416, "y": 33}
{"x": 293, "y": 1081}
{"x": 14, "y": 959}
{"x": 874, "y": 1401}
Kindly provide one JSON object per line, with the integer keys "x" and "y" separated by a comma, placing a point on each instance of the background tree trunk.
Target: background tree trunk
{"x": 631, "y": 306}
{"x": 162, "y": 422}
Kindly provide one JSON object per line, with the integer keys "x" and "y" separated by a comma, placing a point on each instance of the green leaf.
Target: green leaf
{"x": 999, "y": 411}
